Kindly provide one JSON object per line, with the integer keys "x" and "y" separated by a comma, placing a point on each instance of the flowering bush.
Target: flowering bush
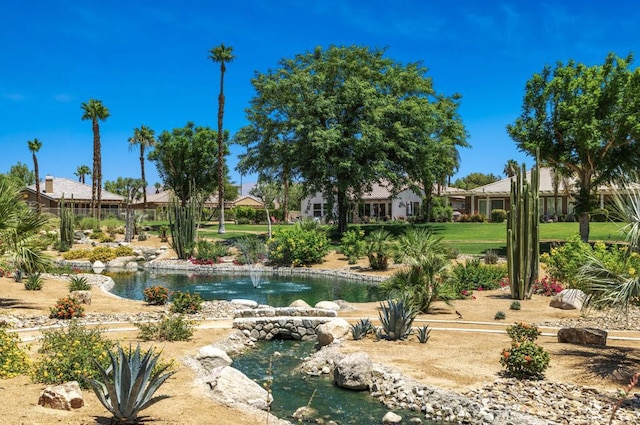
{"x": 69, "y": 354}
{"x": 297, "y": 246}
{"x": 186, "y": 303}
{"x": 353, "y": 245}
{"x": 14, "y": 361}
{"x": 547, "y": 286}
{"x": 101, "y": 253}
{"x": 156, "y": 295}
{"x": 74, "y": 254}
{"x": 522, "y": 332}
{"x": 525, "y": 360}
{"x": 66, "y": 308}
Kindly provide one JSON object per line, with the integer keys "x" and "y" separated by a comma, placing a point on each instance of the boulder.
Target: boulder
{"x": 331, "y": 330}
{"x": 232, "y": 387}
{"x": 354, "y": 372}
{"x": 328, "y": 305}
{"x": 211, "y": 357}
{"x": 83, "y": 297}
{"x": 305, "y": 413}
{"x": 391, "y": 418}
{"x": 583, "y": 336}
{"x": 299, "y": 304}
{"x": 568, "y": 299}
{"x": 66, "y": 396}
{"x": 245, "y": 303}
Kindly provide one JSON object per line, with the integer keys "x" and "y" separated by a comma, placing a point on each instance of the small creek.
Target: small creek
{"x": 292, "y": 389}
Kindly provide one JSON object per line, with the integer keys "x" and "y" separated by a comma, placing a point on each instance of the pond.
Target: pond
{"x": 272, "y": 289}
{"x": 292, "y": 389}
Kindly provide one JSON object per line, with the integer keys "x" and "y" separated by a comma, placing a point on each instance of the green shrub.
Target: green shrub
{"x": 353, "y": 245}
{"x": 498, "y": 215}
{"x": 186, "y": 303}
{"x": 75, "y": 254}
{"x": 101, "y": 253}
{"x": 66, "y": 308}
{"x": 396, "y": 318}
{"x": 500, "y": 315}
{"x": 378, "y": 249}
{"x": 440, "y": 210}
{"x": 34, "y": 282}
{"x": 473, "y": 275}
{"x": 525, "y": 360}
{"x": 79, "y": 283}
{"x": 600, "y": 215}
{"x": 563, "y": 262}
{"x": 143, "y": 236}
{"x": 515, "y": 305}
{"x": 477, "y": 218}
{"x": 491, "y": 257}
{"x": 104, "y": 238}
{"x": 86, "y": 223}
{"x": 297, "y": 246}
{"x": 171, "y": 328}
{"x": 156, "y": 295}
{"x": 521, "y": 332}
{"x": 251, "y": 249}
{"x": 124, "y": 251}
{"x": 14, "y": 361}
{"x": 207, "y": 250}
{"x": 68, "y": 354}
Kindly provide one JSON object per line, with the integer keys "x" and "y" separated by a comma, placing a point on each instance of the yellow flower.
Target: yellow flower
{"x": 632, "y": 271}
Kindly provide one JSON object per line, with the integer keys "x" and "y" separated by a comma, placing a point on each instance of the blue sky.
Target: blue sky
{"x": 148, "y": 62}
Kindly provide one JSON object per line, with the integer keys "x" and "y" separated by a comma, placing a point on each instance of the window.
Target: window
{"x": 317, "y": 210}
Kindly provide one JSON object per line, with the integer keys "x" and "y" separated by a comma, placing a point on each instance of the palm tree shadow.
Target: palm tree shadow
{"x": 14, "y": 303}
{"x": 104, "y": 420}
{"x": 615, "y": 363}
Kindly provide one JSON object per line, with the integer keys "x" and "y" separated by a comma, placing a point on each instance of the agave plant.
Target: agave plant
{"x": 128, "y": 385}
{"x": 396, "y": 318}
{"x": 361, "y": 329}
{"x": 424, "y": 333}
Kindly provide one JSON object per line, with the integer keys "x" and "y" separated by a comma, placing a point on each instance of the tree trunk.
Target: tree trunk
{"x": 342, "y": 211}
{"x": 285, "y": 200}
{"x": 144, "y": 182}
{"x": 221, "y": 228}
{"x": 37, "y": 173}
{"x": 583, "y": 220}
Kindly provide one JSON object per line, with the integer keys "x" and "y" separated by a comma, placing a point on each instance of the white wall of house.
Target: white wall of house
{"x": 406, "y": 204}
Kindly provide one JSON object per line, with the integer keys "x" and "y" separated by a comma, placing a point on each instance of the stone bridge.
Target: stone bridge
{"x": 282, "y": 323}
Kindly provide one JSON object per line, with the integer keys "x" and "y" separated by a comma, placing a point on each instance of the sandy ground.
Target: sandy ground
{"x": 462, "y": 353}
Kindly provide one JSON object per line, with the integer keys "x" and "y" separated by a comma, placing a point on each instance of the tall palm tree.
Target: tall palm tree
{"x": 95, "y": 111}
{"x": 511, "y": 168}
{"x": 81, "y": 172}
{"x": 221, "y": 54}
{"x": 34, "y": 146}
{"x": 142, "y": 137}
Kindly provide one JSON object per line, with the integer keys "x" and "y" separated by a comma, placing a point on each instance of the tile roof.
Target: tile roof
{"x": 72, "y": 189}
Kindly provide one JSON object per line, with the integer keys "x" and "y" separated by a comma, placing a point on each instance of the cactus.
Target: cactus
{"x": 66, "y": 226}
{"x": 523, "y": 239}
{"x": 183, "y": 225}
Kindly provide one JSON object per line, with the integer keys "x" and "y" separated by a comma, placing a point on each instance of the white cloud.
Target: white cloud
{"x": 14, "y": 97}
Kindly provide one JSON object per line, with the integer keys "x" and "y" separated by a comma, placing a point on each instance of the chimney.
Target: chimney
{"x": 48, "y": 184}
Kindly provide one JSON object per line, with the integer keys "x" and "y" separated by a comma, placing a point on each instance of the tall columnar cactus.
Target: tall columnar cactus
{"x": 523, "y": 238}
{"x": 183, "y": 224}
{"x": 66, "y": 226}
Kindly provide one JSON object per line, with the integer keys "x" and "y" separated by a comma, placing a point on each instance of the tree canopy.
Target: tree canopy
{"x": 185, "y": 159}
{"x": 344, "y": 118}
{"x": 473, "y": 180}
{"x": 21, "y": 174}
{"x": 585, "y": 123}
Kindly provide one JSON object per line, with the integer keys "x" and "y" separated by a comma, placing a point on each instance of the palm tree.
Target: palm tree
{"x": 95, "y": 111}
{"x": 511, "y": 168}
{"x": 81, "y": 172}
{"x": 143, "y": 137}
{"x": 221, "y": 54}
{"x": 34, "y": 146}
{"x": 157, "y": 185}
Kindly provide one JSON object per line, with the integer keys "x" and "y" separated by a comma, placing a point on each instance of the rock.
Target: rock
{"x": 232, "y": 387}
{"x": 83, "y": 297}
{"x": 391, "y": 418}
{"x": 98, "y": 264}
{"x": 66, "y": 396}
{"x": 131, "y": 265}
{"x": 415, "y": 420}
{"x": 300, "y": 304}
{"x": 305, "y": 412}
{"x": 245, "y": 303}
{"x": 211, "y": 357}
{"x": 583, "y": 336}
{"x": 328, "y": 305}
{"x": 353, "y": 372}
{"x": 568, "y": 299}
{"x": 333, "y": 329}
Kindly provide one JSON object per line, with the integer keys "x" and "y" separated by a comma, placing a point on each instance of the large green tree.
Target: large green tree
{"x": 344, "y": 118}
{"x": 21, "y": 174}
{"x": 144, "y": 138}
{"x": 221, "y": 54}
{"x": 34, "y": 147}
{"x": 95, "y": 111}
{"x": 585, "y": 122}
{"x": 183, "y": 158}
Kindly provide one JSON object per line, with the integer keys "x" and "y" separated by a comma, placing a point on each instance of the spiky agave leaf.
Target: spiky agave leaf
{"x": 396, "y": 318}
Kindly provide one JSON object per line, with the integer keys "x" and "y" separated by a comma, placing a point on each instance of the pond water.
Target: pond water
{"x": 272, "y": 289}
{"x": 292, "y": 389}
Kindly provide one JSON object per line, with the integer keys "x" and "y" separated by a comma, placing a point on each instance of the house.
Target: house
{"x": 496, "y": 195}
{"x": 380, "y": 204}
{"x": 77, "y": 195}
